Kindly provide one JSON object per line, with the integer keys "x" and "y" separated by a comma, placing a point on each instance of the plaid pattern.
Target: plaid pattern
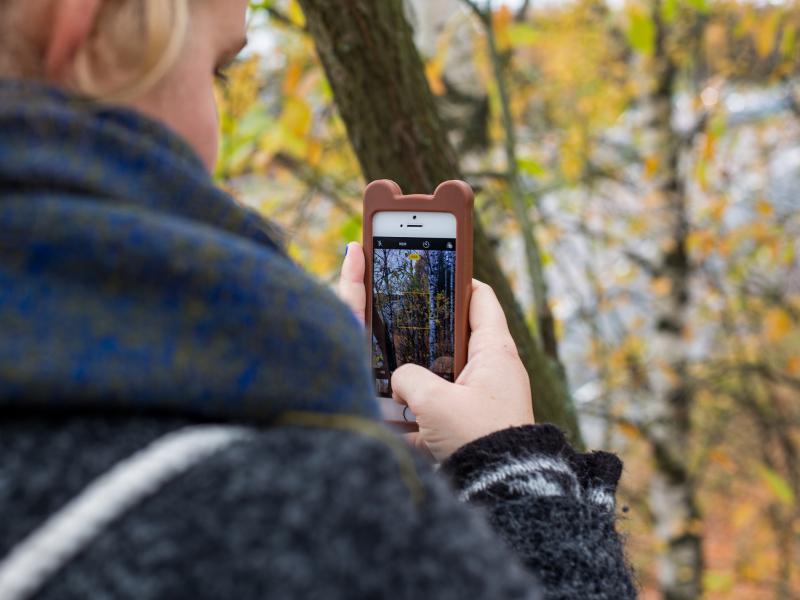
{"x": 128, "y": 281}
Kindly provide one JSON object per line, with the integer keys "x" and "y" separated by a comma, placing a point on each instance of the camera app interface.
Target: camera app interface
{"x": 413, "y": 312}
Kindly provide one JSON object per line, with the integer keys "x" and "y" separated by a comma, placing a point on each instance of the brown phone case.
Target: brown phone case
{"x": 451, "y": 196}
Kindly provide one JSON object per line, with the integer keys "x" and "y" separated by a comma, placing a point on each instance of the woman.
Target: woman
{"x": 187, "y": 414}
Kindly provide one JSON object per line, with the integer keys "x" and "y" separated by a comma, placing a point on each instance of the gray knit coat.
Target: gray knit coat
{"x": 299, "y": 511}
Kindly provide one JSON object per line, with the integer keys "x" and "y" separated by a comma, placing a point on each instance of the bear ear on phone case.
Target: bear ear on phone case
{"x": 452, "y": 193}
{"x": 456, "y": 198}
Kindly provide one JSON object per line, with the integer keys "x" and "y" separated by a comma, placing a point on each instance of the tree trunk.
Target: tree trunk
{"x": 382, "y": 93}
{"x": 672, "y": 491}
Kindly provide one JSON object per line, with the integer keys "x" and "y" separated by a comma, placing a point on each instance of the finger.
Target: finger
{"x": 489, "y": 328}
{"x": 351, "y": 281}
{"x": 398, "y": 399}
{"x": 415, "y": 385}
{"x": 485, "y": 312}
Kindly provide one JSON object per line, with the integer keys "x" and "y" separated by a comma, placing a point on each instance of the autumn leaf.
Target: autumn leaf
{"x": 766, "y": 34}
{"x": 764, "y": 208}
{"x": 650, "y": 166}
{"x": 777, "y": 485}
{"x": 719, "y": 581}
{"x": 434, "y": 72}
{"x": 522, "y": 34}
{"x": 531, "y": 167}
{"x": 641, "y": 32}
{"x": 777, "y": 324}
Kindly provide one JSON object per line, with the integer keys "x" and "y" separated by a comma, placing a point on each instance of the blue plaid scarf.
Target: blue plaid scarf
{"x": 129, "y": 282}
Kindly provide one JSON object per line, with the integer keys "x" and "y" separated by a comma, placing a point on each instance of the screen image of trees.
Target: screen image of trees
{"x": 413, "y": 312}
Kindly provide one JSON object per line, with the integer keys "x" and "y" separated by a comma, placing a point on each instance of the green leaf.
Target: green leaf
{"x": 776, "y": 484}
{"x": 531, "y": 167}
{"x": 718, "y": 124}
{"x": 669, "y": 10}
{"x": 261, "y": 4}
{"x": 719, "y": 581}
{"x": 351, "y": 229}
{"x": 641, "y": 33}
{"x": 700, "y": 6}
{"x": 255, "y": 122}
{"x": 522, "y": 34}
{"x": 788, "y": 41}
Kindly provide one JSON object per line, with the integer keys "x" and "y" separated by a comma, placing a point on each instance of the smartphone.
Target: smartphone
{"x": 419, "y": 273}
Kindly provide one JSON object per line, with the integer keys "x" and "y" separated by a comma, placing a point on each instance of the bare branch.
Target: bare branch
{"x": 484, "y": 14}
{"x": 522, "y": 13}
{"x": 699, "y": 127}
{"x": 499, "y": 175}
{"x": 644, "y": 263}
{"x": 280, "y": 17}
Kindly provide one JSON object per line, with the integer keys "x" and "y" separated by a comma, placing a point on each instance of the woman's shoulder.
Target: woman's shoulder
{"x": 47, "y": 461}
{"x": 281, "y": 491}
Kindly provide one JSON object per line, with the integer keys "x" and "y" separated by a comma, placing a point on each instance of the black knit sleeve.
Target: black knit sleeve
{"x": 554, "y": 506}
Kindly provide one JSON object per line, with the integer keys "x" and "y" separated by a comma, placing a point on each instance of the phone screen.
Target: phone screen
{"x": 413, "y": 312}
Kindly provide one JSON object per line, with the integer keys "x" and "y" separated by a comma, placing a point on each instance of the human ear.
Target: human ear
{"x": 71, "y": 24}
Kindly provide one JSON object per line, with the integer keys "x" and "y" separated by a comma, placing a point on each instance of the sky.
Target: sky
{"x": 262, "y": 43}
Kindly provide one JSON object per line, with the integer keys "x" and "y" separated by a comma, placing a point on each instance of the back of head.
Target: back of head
{"x": 118, "y": 51}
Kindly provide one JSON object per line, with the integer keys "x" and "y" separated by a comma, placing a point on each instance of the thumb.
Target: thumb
{"x": 417, "y": 386}
{"x": 351, "y": 281}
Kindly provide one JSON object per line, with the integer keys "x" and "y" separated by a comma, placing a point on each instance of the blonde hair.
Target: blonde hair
{"x": 133, "y": 44}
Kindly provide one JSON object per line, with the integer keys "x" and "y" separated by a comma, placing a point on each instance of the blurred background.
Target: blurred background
{"x": 637, "y": 165}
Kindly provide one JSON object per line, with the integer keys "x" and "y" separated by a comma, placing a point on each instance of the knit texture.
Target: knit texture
{"x": 296, "y": 513}
{"x": 531, "y": 484}
{"x": 129, "y": 281}
{"x": 302, "y": 513}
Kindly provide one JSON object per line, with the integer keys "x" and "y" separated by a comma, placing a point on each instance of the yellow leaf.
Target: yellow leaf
{"x": 764, "y": 208}
{"x": 661, "y": 286}
{"x": 434, "y": 72}
{"x": 721, "y": 458}
{"x": 743, "y": 514}
{"x": 717, "y": 209}
{"x": 793, "y": 365}
{"x": 297, "y": 116}
{"x": 777, "y": 324}
{"x": 629, "y": 430}
{"x": 296, "y": 14}
{"x": 765, "y": 34}
{"x": 314, "y": 153}
{"x": 292, "y": 77}
{"x": 650, "y": 166}
{"x": 503, "y": 18}
{"x": 701, "y": 241}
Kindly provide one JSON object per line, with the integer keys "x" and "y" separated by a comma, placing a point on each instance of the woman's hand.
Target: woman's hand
{"x": 492, "y": 392}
